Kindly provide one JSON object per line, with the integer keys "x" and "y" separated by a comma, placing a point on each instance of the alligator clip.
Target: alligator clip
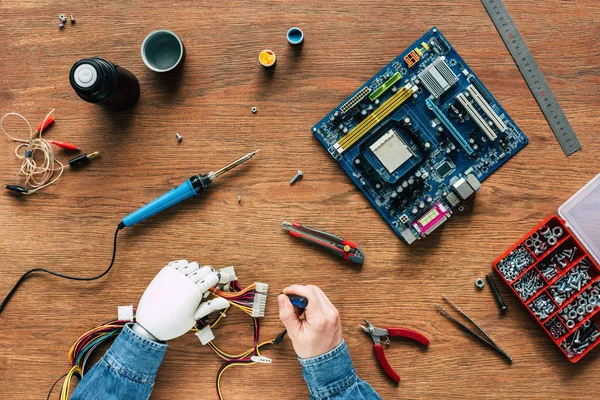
{"x": 338, "y": 246}
{"x": 377, "y": 334}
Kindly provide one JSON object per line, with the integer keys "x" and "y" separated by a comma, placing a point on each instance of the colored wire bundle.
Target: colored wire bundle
{"x": 243, "y": 359}
{"x": 89, "y": 341}
{"x": 81, "y": 351}
{"x": 47, "y": 169}
{"x": 240, "y": 298}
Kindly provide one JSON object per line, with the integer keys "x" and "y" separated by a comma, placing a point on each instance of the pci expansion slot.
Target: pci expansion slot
{"x": 479, "y": 120}
{"x": 487, "y": 109}
{"x": 444, "y": 120}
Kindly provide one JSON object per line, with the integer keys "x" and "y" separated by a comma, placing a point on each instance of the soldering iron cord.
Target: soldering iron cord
{"x": 75, "y": 278}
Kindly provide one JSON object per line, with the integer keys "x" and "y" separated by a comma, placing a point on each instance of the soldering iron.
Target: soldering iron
{"x": 191, "y": 187}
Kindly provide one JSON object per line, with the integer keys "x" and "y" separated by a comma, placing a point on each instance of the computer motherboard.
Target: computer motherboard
{"x": 420, "y": 136}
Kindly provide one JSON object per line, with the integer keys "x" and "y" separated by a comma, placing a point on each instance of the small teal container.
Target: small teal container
{"x": 295, "y": 36}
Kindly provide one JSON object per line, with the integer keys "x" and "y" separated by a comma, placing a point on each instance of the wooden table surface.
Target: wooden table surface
{"x": 68, "y": 227}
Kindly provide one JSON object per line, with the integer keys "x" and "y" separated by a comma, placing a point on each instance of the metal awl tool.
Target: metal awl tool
{"x": 336, "y": 245}
{"x": 191, "y": 187}
{"x": 378, "y": 333}
{"x": 484, "y": 337}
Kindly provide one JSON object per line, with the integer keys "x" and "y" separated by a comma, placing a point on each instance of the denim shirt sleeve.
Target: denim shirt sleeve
{"x": 126, "y": 371}
{"x": 332, "y": 376}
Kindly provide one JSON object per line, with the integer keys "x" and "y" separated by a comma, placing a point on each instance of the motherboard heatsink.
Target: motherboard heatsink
{"x": 420, "y": 136}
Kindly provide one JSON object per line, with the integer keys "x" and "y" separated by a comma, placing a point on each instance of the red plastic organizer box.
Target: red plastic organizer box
{"x": 554, "y": 271}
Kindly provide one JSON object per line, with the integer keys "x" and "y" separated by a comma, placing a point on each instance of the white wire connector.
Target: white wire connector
{"x": 261, "y": 359}
{"x": 260, "y": 300}
{"x": 125, "y": 313}
{"x": 227, "y": 275}
{"x": 205, "y": 335}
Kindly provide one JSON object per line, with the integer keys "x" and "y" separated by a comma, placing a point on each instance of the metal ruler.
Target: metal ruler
{"x": 533, "y": 76}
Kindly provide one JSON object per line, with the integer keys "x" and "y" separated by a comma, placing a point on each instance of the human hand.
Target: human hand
{"x": 320, "y": 330}
{"x": 170, "y": 305}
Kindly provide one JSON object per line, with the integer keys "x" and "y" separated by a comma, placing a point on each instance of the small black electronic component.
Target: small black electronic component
{"x": 443, "y": 169}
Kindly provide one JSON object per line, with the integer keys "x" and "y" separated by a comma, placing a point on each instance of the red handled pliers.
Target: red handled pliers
{"x": 377, "y": 334}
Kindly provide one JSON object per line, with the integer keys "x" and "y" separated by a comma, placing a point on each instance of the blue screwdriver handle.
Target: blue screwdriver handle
{"x": 172, "y": 197}
{"x": 298, "y": 301}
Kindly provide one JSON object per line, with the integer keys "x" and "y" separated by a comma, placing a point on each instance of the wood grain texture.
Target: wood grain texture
{"x": 68, "y": 227}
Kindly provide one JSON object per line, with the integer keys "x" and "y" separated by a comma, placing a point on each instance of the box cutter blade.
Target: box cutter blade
{"x": 336, "y": 245}
{"x": 378, "y": 333}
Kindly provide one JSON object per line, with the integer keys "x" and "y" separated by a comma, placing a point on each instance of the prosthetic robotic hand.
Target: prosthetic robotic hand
{"x": 170, "y": 306}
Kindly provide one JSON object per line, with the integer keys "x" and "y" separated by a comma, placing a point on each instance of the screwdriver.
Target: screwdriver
{"x": 298, "y": 301}
{"x": 191, "y": 187}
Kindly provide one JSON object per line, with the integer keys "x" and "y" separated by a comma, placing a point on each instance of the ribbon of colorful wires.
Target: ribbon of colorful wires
{"x": 242, "y": 299}
{"x": 89, "y": 341}
{"x": 243, "y": 359}
{"x": 81, "y": 351}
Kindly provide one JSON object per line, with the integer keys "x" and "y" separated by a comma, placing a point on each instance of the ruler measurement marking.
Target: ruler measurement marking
{"x": 533, "y": 75}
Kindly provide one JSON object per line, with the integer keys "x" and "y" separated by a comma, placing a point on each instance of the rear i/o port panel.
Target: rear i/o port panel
{"x": 420, "y": 136}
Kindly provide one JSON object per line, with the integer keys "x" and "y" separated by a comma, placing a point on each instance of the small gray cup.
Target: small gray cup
{"x": 162, "y": 51}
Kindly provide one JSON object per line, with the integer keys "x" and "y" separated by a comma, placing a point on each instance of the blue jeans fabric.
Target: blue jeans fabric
{"x": 129, "y": 367}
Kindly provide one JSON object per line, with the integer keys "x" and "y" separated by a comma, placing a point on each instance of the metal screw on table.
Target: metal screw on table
{"x": 296, "y": 177}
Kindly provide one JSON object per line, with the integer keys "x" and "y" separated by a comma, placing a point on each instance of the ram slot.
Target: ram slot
{"x": 485, "y": 106}
{"x": 476, "y": 117}
{"x": 385, "y": 86}
{"x": 440, "y": 115}
{"x": 374, "y": 118}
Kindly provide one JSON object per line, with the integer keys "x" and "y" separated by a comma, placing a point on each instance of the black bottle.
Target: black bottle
{"x": 99, "y": 81}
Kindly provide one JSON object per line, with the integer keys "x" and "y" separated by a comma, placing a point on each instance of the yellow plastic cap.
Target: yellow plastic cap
{"x": 267, "y": 58}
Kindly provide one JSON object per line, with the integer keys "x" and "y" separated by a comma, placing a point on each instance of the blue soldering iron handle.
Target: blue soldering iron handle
{"x": 172, "y": 197}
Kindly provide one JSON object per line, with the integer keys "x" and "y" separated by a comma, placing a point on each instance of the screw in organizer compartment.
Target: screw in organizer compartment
{"x": 515, "y": 263}
{"x": 529, "y": 284}
{"x": 551, "y": 235}
{"x": 581, "y": 306}
{"x": 580, "y": 340}
{"x": 542, "y": 307}
{"x": 549, "y": 268}
{"x": 571, "y": 282}
{"x": 555, "y": 327}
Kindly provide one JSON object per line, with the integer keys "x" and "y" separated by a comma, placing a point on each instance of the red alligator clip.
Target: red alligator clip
{"x": 377, "y": 334}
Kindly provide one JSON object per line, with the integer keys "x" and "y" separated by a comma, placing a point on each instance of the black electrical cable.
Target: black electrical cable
{"x": 52, "y": 388}
{"x": 75, "y": 278}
